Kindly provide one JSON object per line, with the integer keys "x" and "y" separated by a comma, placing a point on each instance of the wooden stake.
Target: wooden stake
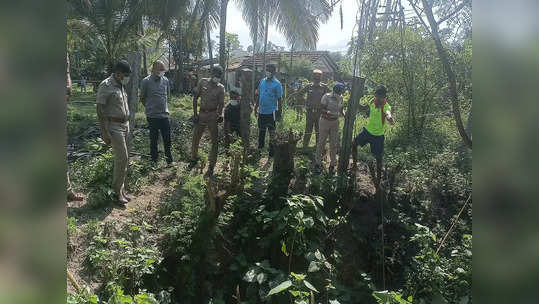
{"x": 348, "y": 129}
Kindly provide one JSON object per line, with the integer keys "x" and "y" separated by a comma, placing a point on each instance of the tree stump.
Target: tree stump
{"x": 285, "y": 148}
{"x": 283, "y": 164}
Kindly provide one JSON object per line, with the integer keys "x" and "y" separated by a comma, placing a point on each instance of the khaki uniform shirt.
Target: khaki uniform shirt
{"x": 314, "y": 95}
{"x": 112, "y": 95}
{"x": 333, "y": 104}
{"x": 211, "y": 95}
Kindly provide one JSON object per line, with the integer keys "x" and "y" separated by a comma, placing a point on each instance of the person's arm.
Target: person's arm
{"x": 220, "y": 105}
{"x": 324, "y": 104}
{"x": 341, "y": 105}
{"x": 143, "y": 92}
{"x": 390, "y": 117}
{"x": 195, "y": 98}
{"x": 257, "y": 100}
{"x": 103, "y": 123}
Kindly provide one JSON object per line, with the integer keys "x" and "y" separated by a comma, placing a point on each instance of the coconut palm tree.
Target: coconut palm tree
{"x": 222, "y": 32}
{"x": 184, "y": 23}
{"x": 114, "y": 24}
{"x": 297, "y": 20}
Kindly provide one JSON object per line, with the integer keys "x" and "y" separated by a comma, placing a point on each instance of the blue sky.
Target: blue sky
{"x": 331, "y": 37}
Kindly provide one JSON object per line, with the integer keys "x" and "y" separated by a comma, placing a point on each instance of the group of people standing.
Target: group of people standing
{"x": 324, "y": 107}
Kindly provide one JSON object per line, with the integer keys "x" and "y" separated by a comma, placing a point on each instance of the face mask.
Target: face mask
{"x": 234, "y": 102}
{"x": 215, "y": 79}
{"x": 125, "y": 80}
{"x": 268, "y": 74}
{"x": 161, "y": 74}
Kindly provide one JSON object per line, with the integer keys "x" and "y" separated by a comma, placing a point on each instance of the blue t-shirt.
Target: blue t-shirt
{"x": 269, "y": 92}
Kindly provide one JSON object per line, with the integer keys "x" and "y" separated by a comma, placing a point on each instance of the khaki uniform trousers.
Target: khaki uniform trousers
{"x": 118, "y": 134}
{"x": 209, "y": 120}
{"x": 313, "y": 118}
{"x": 328, "y": 129}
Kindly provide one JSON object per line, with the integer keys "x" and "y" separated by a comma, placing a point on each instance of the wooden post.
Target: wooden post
{"x": 348, "y": 129}
{"x": 246, "y": 108}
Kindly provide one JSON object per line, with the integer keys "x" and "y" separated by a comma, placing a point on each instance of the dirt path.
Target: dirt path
{"x": 145, "y": 204}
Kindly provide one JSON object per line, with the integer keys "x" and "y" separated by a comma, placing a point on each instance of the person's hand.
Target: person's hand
{"x": 220, "y": 119}
{"x": 105, "y": 135}
{"x": 390, "y": 118}
{"x": 256, "y": 111}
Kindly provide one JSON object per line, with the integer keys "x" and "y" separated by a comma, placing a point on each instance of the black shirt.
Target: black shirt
{"x": 232, "y": 115}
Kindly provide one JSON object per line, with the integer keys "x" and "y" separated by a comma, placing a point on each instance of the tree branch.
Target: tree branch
{"x": 419, "y": 17}
{"x": 460, "y": 7}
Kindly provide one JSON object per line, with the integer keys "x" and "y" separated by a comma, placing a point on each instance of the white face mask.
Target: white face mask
{"x": 125, "y": 80}
{"x": 268, "y": 74}
{"x": 215, "y": 79}
{"x": 161, "y": 74}
{"x": 234, "y": 102}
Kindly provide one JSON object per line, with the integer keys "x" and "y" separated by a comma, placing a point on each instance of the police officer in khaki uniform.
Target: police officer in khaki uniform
{"x": 315, "y": 91}
{"x": 113, "y": 113}
{"x": 331, "y": 107}
{"x": 212, "y": 99}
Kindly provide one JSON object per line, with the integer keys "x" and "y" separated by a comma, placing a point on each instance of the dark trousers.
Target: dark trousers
{"x": 266, "y": 121}
{"x": 156, "y": 125}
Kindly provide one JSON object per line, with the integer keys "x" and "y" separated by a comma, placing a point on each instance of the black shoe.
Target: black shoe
{"x": 119, "y": 202}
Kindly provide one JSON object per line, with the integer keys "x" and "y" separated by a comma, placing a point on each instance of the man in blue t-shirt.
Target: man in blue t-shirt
{"x": 268, "y": 106}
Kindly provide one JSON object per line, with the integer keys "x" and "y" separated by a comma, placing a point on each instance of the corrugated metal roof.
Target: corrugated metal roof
{"x": 275, "y": 57}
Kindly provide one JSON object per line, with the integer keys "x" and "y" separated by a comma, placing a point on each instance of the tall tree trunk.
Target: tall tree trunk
{"x": 210, "y": 51}
{"x": 253, "y": 77}
{"x": 348, "y": 129}
{"x": 144, "y": 52}
{"x": 222, "y": 34}
{"x": 469, "y": 125}
{"x": 444, "y": 57}
{"x": 179, "y": 60}
{"x": 134, "y": 59}
{"x": 169, "y": 54}
{"x": 266, "y": 29}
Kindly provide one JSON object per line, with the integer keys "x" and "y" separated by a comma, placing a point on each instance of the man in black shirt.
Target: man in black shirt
{"x": 232, "y": 117}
